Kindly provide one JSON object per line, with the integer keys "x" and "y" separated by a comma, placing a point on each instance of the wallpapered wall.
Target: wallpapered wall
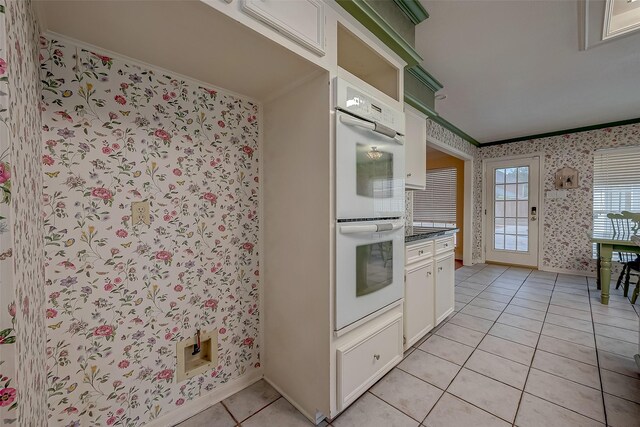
{"x": 121, "y": 294}
{"x": 21, "y": 228}
{"x": 565, "y": 245}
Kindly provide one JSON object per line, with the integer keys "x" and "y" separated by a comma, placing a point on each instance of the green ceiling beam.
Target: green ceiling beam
{"x": 415, "y": 103}
{"x": 413, "y": 9}
{"x": 425, "y": 78}
{"x": 375, "y": 23}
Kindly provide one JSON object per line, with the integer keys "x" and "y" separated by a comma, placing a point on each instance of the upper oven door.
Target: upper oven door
{"x": 369, "y": 268}
{"x": 369, "y": 170}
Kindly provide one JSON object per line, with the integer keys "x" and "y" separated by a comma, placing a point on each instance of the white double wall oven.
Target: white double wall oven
{"x": 370, "y": 204}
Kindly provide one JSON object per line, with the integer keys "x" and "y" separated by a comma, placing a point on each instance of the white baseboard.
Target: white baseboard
{"x": 191, "y": 408}
{"x": 568, "y": 271}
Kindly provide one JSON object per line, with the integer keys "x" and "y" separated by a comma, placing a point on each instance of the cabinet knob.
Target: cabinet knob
{"x": 439, "y": 268}
{"x": 428, "y": 273}
{"x": 376, "y": 356}
{"x": 409, "y": 174}
{"x": 446, "y": 245}
{"x": 420, "y": 252}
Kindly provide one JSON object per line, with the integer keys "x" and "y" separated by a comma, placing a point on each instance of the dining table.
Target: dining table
{"x": 607, "y": 243}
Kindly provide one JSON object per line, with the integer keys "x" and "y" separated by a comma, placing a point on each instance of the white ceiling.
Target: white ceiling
{"x": 514, "y": 68}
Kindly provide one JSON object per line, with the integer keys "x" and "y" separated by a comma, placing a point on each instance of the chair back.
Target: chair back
{"x": 625, "y": 224}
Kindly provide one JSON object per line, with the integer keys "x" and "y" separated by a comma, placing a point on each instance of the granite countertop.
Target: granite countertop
{"x": 413, "y": 234}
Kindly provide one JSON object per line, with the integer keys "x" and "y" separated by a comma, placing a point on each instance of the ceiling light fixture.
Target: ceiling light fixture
{"x": 374, "y": 154}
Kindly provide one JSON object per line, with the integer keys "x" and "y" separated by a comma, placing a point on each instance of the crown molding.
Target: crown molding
{"x": 413, "y": 9}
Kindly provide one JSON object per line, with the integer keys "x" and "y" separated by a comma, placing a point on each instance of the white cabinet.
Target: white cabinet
{"x": 366, "y": 359}
{"x": 444, "y": 285}
{"x": 415, "y": 148}
{"x": 419, "y": 315}
{"x": 302, "y": 21}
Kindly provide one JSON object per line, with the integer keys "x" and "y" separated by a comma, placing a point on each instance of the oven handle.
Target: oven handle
{"x": 373, "y": 126}
{"x": 377, "y": 227}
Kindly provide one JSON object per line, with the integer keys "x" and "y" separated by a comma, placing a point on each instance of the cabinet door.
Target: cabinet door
{"x": 302, "y": 20}
{"x": 419, "y": 303}
{"x": 445, "y": 282}
{"x": 415, "y": 148}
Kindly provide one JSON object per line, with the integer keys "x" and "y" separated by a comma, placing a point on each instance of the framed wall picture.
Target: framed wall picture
{"x": 566, "y": 178}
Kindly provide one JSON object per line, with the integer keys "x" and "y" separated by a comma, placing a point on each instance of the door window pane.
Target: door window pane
{"x": 523, "y": 243}
{"x": 523, "y": 191}
{"x": 510, "y": 209}
{"x": 499, "y": 226}
{"x": 511, "y": 175}
{"x": 510, "y": 226}
{"x": 523, "y": 174}
{"x": 499, "y": 192}
{"x": 499, "y": 176}
{"x": 510, "y": 242}
{"x": 499, "y": 239}
{"x": 523, "y": 209}
{"x": 511, "y": 192}
{"x": 523, "y": 226}
{"x": 511, "y": 215}
{"x": 499, "y": 209}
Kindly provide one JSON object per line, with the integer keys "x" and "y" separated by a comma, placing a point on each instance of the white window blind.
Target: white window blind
{"x": 436, "y": 204}
{"x": 616, "y": 184}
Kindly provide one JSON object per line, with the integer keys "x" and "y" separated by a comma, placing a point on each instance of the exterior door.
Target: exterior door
{"x": 512, "y": 208}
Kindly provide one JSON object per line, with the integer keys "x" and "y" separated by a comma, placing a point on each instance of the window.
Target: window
{"x": 436, "y": 205}
{"x": 616, "y": 185}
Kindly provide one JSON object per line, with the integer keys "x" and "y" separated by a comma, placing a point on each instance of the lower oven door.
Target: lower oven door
{"x": 369, "y": 268}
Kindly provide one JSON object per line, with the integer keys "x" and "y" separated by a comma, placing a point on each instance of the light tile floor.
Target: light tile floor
{"x": 524, "y": 348}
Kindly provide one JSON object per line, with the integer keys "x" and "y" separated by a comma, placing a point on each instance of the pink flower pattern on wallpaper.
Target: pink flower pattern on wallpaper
{"x": 120, "y": 295}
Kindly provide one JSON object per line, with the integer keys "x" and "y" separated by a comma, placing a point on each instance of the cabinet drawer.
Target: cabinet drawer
{"x": 419, "y": 251}
{"x": 443, "y": 245}
{"x": 365, "y": 360}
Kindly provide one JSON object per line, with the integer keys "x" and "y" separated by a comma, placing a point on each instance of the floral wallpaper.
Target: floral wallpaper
{"x": 23, "y": 396}
{"x": 444, "y": 135}
{"x": 123, "y": 289}
{"x": 567, "y": 222}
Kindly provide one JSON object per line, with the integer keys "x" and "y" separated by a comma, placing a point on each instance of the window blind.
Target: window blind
{"x": 437, "y": 203}
{"x": 616, "y": 184}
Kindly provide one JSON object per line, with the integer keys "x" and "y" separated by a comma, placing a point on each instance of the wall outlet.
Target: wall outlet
{"x": 189, "y": 364}
{"x": 140, "y": 212}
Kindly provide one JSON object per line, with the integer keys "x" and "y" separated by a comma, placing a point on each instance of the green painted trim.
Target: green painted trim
{"x": 415, "y": 103}
{"x": 425, "y": 78}
{"x": 413, "y": 9}
{"x": 375, "y": 23}
{"x": 564, "y": 132}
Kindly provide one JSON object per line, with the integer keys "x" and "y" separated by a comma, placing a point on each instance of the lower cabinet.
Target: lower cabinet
{"x": 419, "y": 310}
{"x": 366, "y": 359}
{"x": 444, "y": 288}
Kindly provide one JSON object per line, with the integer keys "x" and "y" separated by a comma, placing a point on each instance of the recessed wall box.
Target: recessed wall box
{"x": 189, "y": 364}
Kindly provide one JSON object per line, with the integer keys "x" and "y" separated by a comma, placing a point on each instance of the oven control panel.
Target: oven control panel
{"x": 359, "y": 103}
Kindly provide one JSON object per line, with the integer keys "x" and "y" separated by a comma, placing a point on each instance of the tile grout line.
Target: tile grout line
{"x": 595, "y": 343}
{"x": 229, "y": 412}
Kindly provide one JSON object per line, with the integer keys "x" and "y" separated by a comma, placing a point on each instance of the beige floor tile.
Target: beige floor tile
{"x": 533, "y": 305}
{"x": 533, "y": 296}
{"x": 493, "y": 396}
{"x": 569, "y": 322}
{"x": 620, "y": 364}
{"x": 617, "y": 333}
{"x": 568, "y": 334}
{"x": 216, "y": 416}
{"x": 461, "y": 334}
{"x": 576, "y": 397}
{"x": 487, "y": 303}
{"x": 620, "y": 412}
{"x": 430, "y": 368}
{"x": 370, "y": 411}
{"x": 535, "y": 412}
{"x": 621, "y": 385}
{"x": 463, "y": 298}
{"x": 518, "y": 335}
{"x": 569, "y": 369}
{"x": 407, "y": 393}
{"x": 520, "y": 322}
{"x": 250, "y": 400}
{"x": 613, "y": 345}
{"x": 471, "y": 322}
{"x": 461, "y": 289}
{"x": 483, "y": 313}
{"x": 515, "y": 285}
{"x": 451, "y": 411}
{"x": 498, "y": 368}
{"x": 495, "y": 296}
{"x": 280, "y": 413}
{"x": 570, "y": 312}
{"x": 447, "y": 349}
{"x": 507, "y": 349}
{"x": 525, "y": 312}
{"x": 573, "y": 351}
{"x": 502, "y": 291}
{"x": 568, "y": 303}
{"x": 602, "y": 312}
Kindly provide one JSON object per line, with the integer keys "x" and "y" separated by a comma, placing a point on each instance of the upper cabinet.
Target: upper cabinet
{"x": 415, "y": 148}
{"x": 301, "y": 21}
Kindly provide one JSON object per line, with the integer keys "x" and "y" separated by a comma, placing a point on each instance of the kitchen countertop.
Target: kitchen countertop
{"x": 413, "y": 234}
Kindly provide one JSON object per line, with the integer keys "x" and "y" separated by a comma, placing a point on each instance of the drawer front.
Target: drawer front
{"x": 419, "y": 252}
{"x": 444, "y": 245}
{"x": 364, "y": 361}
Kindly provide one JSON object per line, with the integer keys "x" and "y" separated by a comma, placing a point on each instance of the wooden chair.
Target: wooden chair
{"x": 627, "y": 224}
